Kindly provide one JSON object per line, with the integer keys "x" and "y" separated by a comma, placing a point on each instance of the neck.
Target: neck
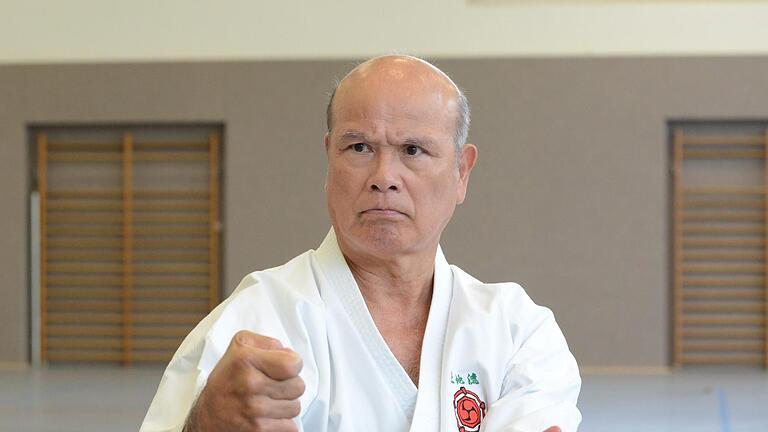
{"x": 402, "y": 282}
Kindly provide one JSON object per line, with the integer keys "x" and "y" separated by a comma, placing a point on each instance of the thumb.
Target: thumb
{"x": 255, "y": 340}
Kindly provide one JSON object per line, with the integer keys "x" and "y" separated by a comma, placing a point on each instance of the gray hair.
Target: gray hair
{"x": 462, "y": 115}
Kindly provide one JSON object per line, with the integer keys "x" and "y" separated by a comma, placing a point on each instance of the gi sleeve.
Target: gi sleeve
{"x": 256, "y": 306}
{"x": 541, "y": 383}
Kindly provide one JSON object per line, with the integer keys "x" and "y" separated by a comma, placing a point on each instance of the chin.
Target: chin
{"x": 380, "y": 239}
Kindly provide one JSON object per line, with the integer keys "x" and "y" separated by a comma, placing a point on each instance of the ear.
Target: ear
{"x": 466, "y": 163}
{"x": 327, "y": 141}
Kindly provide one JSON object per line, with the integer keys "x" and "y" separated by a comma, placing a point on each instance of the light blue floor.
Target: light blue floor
{"x": 104, "y": 399}
{"x": 693, "y": 399}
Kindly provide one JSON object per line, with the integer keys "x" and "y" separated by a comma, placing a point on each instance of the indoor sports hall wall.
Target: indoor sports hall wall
{"x": 570, "y": 196}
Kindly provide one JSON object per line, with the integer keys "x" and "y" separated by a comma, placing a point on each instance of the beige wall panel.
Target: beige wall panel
{"x": 569, "y": 198}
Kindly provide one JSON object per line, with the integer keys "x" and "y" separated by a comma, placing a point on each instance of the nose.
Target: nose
{"x": 385, "y": 175}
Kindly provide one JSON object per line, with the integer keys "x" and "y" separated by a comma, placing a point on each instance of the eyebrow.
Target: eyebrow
{"x": 354, "y": 135}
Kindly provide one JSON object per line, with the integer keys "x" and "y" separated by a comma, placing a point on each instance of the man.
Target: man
{"x": 374, "y": 330}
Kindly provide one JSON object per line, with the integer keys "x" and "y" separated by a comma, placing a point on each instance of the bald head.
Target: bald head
{"x": 408, "y": 76}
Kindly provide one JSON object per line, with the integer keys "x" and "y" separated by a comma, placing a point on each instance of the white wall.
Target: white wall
{"x": 113, "y": 30}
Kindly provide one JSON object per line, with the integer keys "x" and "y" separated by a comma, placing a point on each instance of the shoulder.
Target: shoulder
{"x": 278, "y": 302}
{"x": 509, "y": 296}
{"x": 288, "y": 283}
{"x": 504, "y": 303}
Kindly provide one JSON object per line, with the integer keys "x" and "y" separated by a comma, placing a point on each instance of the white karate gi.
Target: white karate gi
{"x": 491, "y": 359}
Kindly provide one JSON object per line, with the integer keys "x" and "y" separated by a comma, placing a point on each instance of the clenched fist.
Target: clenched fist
{"x": 254, "y": 387}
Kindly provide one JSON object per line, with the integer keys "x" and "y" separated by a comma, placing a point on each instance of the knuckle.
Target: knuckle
{"x": 242, "y": 337}
{"x": 240, "y": 359}
{"x": 261, "y": 424}
{"x": 253, "y": 382}
{"x": 258, "y": 408}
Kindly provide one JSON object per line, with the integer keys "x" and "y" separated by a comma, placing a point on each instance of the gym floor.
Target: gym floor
{"x": 79, "y": 399}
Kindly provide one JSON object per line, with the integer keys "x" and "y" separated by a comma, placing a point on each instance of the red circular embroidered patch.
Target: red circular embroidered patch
{"x": 469, "y": 410}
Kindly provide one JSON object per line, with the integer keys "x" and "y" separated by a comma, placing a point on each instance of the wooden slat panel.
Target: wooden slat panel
{"x": 93, "y": 245}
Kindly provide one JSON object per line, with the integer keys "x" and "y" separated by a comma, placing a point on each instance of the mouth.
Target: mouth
{"x": 388, "y": 212}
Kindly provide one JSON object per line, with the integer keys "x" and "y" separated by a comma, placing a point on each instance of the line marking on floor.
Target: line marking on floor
{"x": 722, "y": 405}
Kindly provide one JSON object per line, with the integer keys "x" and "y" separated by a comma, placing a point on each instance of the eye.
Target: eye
{"x": 359, "y": 147}
{"x": 413, "y": 150}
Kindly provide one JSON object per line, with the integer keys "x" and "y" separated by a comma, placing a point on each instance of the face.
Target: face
{"x": 393, "y": 182}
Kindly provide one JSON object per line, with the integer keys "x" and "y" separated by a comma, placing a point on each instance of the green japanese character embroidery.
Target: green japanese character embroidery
{"x": 472, "y": 378}
{"x": 459, "y": 379}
